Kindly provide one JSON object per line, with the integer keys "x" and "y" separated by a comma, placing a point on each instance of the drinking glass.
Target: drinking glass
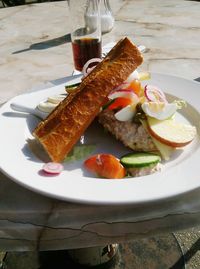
{"x": 85, "y": 31}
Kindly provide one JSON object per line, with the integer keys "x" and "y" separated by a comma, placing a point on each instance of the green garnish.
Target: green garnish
{"x": 180, "y": 103}
{"x": 140, "y": 159}
{"x": 107, "y": 104}
{"x": 72, "y": 87}
{"x": 79, "y": 152}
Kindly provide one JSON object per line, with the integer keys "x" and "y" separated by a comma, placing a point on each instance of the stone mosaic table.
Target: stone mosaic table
{"x": 35, "y": 49}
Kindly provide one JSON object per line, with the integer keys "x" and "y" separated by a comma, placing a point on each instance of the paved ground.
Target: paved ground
{"x": 189, "y": 241}
{"x": 171, "y": 251}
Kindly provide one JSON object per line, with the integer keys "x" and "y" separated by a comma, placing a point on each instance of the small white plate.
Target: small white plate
{"x": 180, "y": 174}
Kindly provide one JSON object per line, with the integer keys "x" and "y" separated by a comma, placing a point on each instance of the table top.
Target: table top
{"x": 35, "y": 49}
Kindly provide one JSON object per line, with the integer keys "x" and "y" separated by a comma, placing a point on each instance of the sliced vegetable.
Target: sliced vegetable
{"x": 165, "y": 150}
{"x": 107, "y": 104}
{"x": 86, "y": 70}
{"x": 122, "y": 86}
{"x": 154, "y": 94}
{"x": 105, "y": 165}
{"x": 52, "y": 168}
{"x": 72, "y": 85}
{"x": 140, "y": 159}
{"x": 124, "y": 93}
{"x": 71, "y": 88}
{"x": 119, "y": 103}
{"x": 171, "y": 133}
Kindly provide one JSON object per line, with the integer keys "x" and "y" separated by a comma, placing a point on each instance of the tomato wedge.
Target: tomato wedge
{"x": 105, "y": 165}
{"x": 120, "y": 103}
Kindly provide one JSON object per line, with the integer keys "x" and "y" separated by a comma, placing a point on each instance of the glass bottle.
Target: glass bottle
{"x": 107, "y": 18}
{"x": 84, "y": 17}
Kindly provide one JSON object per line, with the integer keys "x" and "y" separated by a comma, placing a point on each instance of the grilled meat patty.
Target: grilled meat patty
{"x": 131, "y": 134}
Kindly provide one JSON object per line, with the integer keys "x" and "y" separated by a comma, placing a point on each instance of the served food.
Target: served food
{"x": 60, "y": 131}
{"x": 138, "y": 116}
{"x": 145, "y": 121}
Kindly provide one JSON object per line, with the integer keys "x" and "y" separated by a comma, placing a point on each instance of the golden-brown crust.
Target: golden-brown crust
{"x": 64, "y": 126}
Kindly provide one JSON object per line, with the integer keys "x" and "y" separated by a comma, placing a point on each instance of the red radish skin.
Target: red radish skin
{"x": 52, "y": 168}
{"x": 86, "y": 70}
{"x": 150, "y": 90}
{"x": 123, "y": 93}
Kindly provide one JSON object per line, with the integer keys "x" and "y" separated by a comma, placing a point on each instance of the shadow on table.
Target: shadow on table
{"x": 12, "y": 3}
{"x": 47, "y": 44}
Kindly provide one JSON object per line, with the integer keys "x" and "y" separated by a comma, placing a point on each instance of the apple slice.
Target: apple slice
{"x": 170, "y": 132}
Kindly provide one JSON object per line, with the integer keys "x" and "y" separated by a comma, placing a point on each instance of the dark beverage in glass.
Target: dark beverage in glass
{"x": 85, "y": 49}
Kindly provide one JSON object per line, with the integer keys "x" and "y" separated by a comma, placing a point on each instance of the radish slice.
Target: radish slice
{"x": 52, "y": 168}
{"x": 122, "y": 86}
{"x": 154, "y": 94}
{"x": 86, "y": 68}
{"x": 124, "y": 93}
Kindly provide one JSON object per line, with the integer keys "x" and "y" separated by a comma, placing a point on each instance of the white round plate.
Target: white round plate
{"x": 179, "y": 175}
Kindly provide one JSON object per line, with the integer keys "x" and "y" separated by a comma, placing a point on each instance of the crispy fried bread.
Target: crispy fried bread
{"x": 59, "y": 132}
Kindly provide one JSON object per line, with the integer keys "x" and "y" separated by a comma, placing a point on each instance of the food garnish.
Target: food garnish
{"x": 139, "y": 116}
{"x": 150, "y": 108}
{"x": 140, "y": 159}
{"x": 52, "y": 168}
{"x": 147, "y": 106}
{"x": 106, "y": 166}
{"x": 70, "y": 88}
{"x": 126, "y": 114}
{"x": 87, "y": 69}
{"x": 80, "y": 152}
{"x": 51, "y": 102}
{"x": 119, "y": 103}
{"x": 170, "y": 132}
{"x": 159, "y": 110}
{"x": 154, "y": 94}
{"x": 61, "y": 130}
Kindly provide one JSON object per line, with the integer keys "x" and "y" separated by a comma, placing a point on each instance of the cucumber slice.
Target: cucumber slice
{"x": 72, "y": 85}
{"x": 107, "y": 104}
{"x": 140, "y": 159}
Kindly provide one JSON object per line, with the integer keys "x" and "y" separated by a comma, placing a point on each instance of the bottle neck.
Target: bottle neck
{"x": 107, "y": 5}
